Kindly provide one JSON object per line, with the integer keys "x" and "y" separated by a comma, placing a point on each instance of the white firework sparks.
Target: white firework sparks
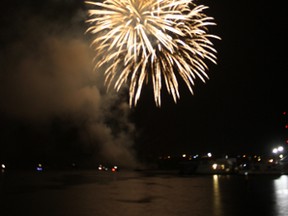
{"x": 139, "y": 41}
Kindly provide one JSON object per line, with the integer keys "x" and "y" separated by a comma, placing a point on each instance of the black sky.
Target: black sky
{"x": 50, "y": 109}
{"x": 240, "y": 108}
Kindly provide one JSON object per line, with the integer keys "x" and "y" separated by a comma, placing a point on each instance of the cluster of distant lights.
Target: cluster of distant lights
{"x": 190, "y": 157}
{"x": 40, "y": 168}
{"x": 214, "y": 166}
{"x": 105, "y": 168}
{"x": 278, "y": 152}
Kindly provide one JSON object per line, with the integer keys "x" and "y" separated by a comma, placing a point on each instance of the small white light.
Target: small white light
{"x": 280, "y": 148}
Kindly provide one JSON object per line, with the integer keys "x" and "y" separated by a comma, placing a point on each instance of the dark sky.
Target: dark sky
{"x": 54, "y": 108}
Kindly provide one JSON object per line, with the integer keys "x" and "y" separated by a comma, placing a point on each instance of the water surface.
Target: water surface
{"x": 129, "y": 193}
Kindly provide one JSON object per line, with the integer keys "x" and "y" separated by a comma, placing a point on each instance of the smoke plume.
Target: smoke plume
{"x": 55, "y": 104}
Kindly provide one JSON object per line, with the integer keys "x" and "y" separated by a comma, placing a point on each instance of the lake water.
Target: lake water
{"x": 129, "y": 193}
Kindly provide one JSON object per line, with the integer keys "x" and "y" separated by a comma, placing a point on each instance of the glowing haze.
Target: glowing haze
{"x": 141, "y": 41}
{"x": 55, "y": 109}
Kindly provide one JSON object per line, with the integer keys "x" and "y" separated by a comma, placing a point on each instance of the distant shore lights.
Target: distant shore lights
{"x": 278, "y": 151}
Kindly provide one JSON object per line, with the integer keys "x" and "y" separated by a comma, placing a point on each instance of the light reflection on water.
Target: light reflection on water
{"x": 281, "y": 195}
{"x": 216, "y": 196}
{"x": 93, "y": 193}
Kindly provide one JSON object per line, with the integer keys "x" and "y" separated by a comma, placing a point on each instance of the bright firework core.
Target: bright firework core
{"x": 139, "y": 41}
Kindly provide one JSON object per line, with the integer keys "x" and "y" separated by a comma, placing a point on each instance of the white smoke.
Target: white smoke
{"x": 44, "y": 76}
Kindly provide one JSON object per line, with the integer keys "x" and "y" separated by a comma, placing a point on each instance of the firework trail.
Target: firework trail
{"x": 150, "y": 40}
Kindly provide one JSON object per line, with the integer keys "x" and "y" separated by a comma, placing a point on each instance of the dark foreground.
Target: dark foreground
{"x": 130, "y": 193}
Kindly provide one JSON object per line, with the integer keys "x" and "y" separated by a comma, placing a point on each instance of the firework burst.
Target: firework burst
{"x": 138, "y": 41}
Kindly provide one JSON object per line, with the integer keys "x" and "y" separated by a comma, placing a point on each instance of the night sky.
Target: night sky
{"x": 55, "y": 109}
